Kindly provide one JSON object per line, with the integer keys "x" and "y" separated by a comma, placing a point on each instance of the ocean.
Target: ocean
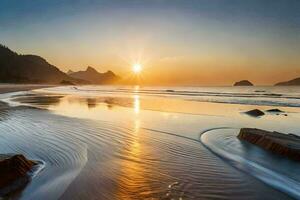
{"x": 122, "y": 142}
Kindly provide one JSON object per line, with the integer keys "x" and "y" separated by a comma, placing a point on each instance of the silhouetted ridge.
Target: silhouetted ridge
{"x": 91, "y": 70}
{"x": 293, "y": 82}
{"x": 5, "y": 51}
{"x": 17, "y": 68}
{"x": 70, "y": 72}
{"x": 95, "y": 77}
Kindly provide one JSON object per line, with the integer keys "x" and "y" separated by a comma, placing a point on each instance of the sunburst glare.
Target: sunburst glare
{"x": 136, "y": 68}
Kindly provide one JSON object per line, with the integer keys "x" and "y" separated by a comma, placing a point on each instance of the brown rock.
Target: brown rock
{"x": 13, "y": 168}
{"x": 275, "y": 110}
{"x": 255, "y": 113}
{"x": 287, "y": 145}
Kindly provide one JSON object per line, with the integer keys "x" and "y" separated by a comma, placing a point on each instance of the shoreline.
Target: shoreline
{"x": 7, "y": 88}
{"x": 271, "y": 177}
{"x": 17, "y": 175}
{"x": 109, "y": 131}
{"x": 11, "y": 88}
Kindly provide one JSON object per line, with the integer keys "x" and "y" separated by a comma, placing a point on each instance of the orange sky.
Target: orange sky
{"x": 201, "y": 43}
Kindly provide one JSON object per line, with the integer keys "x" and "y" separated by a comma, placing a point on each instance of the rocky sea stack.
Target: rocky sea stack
{"x": 243, "y": 83}
{"x": 14, "y": 172}
{"x": 287, "y": 145}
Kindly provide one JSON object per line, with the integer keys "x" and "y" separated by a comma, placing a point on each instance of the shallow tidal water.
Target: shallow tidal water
{"x": 150, "y": 143}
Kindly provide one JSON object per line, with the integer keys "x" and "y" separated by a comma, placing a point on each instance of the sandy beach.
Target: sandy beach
{"x": 5, "y": 88}
{"x": 149, "y": 143}
{"x": 150, "y": 100}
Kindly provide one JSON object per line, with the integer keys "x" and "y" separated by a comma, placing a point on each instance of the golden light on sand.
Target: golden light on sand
{"x": 136, "y": 104}
{"x": 136, "y": 68}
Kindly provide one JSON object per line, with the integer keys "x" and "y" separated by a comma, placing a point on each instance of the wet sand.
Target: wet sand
{"x": 14, "y": 172}
{"x": 133, "y": 146}
{"x": 5, "y": 88}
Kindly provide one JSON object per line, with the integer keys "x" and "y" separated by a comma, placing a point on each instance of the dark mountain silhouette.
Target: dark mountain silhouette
{"x": 292, "y": 82}
{"x": 243, "y": 83}
{"x": 93, "y": 76}
{"x": 70, "y": 72}
{"x": 16, "y": 68}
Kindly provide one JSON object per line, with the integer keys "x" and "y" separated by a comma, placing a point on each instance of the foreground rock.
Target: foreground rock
{"x": 14, "y": 172}
{"x": 287, "y": 145}
{"x": 255, "y": 113}
{"x": 243, "y": 83}
{"x": 275, "y": 110}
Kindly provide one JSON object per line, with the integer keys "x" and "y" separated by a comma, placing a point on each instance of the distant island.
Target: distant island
{"x": 243, "y": 83}
{"x": 293, "y": 82}
{"x": 17, "y": 68}
{"x": 95, "y": 77}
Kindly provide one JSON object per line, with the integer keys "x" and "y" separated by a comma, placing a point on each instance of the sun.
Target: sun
{"x": 136, "y": 68}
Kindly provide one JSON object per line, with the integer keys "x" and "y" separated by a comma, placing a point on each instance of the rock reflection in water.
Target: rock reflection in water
{"x": 91, "y": 102}
{"x": 39, "y": 100}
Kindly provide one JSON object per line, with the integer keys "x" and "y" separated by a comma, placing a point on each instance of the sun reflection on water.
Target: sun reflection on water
{"x": 131, "y": 167}
{"x": 136, "y": 104}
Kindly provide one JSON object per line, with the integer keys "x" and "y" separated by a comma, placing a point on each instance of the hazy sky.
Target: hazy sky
{"x": 177, "y": 41}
